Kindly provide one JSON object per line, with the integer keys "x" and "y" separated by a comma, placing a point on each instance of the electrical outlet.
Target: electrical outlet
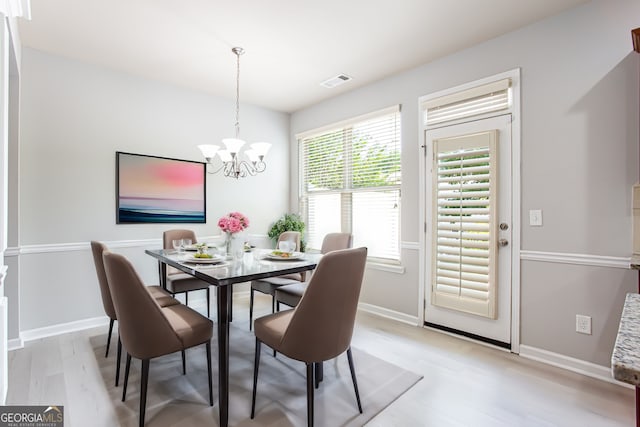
{"x": 583, "y": 324}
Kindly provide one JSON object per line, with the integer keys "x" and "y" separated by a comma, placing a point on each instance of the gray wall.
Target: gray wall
{"x": 74, "y": 116}
{"x": 579, "y": 159}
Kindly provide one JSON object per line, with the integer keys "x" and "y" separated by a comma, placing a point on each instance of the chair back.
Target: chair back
{"x": 292, "y": 236}
{"x": 98, "y": 249}
{"x": 336, "y": 241}
{"x": 322, "y": 323}
{"x": 167, "y": 243}
{"x": 170, "y": 235}
{"x": 144, "y": 330}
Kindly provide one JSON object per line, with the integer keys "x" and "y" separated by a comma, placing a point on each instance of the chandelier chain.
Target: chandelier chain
{"x": 238, "y": 53}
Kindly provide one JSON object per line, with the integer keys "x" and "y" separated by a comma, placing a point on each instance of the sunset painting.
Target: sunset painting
{"x": 159, "y": 190}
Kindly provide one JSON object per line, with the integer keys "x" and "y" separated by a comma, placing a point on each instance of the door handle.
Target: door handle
{"x": 503, "y": 242}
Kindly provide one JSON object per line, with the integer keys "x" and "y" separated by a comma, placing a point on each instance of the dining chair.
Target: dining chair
{"x": 269, "y": 285}
{"x": 176, "y": 281}
{"x": 317, "y": 329}
{"x": 290, "y": 294}
{"x": 149, "y": 331}
{"x": 162, "y": 297}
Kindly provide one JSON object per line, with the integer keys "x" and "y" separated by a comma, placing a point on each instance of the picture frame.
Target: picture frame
{"x": 154, "y": 189}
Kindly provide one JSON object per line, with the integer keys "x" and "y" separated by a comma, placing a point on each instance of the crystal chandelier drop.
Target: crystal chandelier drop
{"x": 233, "y": 165}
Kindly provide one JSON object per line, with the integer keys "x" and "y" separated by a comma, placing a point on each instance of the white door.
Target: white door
{"x": 468, "y": 212}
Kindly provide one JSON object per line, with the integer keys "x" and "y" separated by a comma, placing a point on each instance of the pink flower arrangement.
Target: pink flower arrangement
{"x": 233, "y": 223}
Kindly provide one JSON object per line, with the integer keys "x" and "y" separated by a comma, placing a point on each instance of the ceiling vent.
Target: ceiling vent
{"x": 336, "y": 81}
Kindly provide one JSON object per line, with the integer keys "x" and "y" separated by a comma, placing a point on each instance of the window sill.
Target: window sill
{"x": 397, "y": 269}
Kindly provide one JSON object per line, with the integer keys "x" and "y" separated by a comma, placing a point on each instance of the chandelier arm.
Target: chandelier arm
{"x": 216, "y": 170}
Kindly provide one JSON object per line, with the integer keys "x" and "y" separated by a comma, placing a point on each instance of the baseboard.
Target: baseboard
{"x": 571, "y": 364}
{"x": 62, "y": 328}
{"x": 389, "y": 314}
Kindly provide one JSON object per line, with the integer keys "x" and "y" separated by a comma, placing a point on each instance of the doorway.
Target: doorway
{"x": 468, "y": 207}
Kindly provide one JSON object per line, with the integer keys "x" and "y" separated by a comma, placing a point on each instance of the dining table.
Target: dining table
{"x": 223, "y": 274}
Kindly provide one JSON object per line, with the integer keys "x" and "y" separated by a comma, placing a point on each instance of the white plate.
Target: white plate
{"x": 215, "y": 260}
{"x": 292, "y": 257}
{"x": 194, "y": 248}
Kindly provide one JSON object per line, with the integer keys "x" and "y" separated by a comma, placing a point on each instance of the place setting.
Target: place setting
{"x": 284, "y": 252}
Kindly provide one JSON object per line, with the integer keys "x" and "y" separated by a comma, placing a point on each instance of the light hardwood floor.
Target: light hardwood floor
{"x": 464, "y": 384}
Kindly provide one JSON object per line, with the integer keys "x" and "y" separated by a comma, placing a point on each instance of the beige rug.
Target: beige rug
{"x": 182, "y": 400}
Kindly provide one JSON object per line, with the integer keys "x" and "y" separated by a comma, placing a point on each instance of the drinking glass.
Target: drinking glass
{"x": 286, "y": 246}
{"x": 186, "y": 243}
{"x": 177, "y": 245}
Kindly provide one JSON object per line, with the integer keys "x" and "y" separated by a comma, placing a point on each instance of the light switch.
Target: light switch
{"x": 535, "y": 218}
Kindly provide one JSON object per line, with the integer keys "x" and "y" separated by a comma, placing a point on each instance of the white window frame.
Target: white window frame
{"x": 388, "y": 264}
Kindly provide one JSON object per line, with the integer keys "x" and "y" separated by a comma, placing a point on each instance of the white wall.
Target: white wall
{"x": 74, "y": 117}
{"x": 579, "y": 159}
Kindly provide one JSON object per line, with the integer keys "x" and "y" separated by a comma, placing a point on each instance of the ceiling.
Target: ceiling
{"x": 291, "y": 45}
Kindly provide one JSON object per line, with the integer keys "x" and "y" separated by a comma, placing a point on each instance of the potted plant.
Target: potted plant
{"x": 288, "y": 222}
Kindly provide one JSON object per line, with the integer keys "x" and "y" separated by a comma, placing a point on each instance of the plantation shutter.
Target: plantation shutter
{"x": 464, "y": 252}
{"x": 350, "y": 178}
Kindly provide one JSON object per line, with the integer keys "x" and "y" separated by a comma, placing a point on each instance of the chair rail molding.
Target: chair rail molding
{"x": 577, "y": 259}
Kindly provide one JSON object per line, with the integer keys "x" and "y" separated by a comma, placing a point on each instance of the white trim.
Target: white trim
{"x": 390, "y": 268}
{"x": 577, "y": 259}
{"x": 85, "y": 246}
{"x": 516, "y": 209}
{"x": 412, "y": 246}
{"x": 63, "y": 328}
{"x": 388, "y": 314}
{"x": 15, "y": 344}
{"x": 571, "y": 364}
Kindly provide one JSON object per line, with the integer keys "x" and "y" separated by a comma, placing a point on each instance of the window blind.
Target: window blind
{"x": 464, "y": 208}
{"x": 482, "y": 99}
{"x": 351, "y": 179}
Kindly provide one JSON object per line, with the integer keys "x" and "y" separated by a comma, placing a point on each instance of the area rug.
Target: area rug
{"x": 182, "y": 400}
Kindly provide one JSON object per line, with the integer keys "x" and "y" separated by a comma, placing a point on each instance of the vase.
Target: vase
{"x": 228, "y": 244}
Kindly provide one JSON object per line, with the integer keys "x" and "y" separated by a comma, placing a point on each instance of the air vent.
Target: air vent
{"x": 336, "y": 81}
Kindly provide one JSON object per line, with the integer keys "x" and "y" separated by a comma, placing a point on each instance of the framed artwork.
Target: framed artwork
{"x": 151, "y": 189}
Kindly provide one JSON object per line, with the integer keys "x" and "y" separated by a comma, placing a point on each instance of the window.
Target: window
{"x": 350, "y": 182}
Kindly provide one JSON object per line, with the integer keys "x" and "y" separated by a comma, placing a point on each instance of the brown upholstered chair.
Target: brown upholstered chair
{"x": 269, "y": 285}
{"x": 317, "y": 329}
{"x": 177, "y": 281}
{"x": 146, "y": 329}
{"x": 162, "y": 297}
{"x": 291, "y": 294}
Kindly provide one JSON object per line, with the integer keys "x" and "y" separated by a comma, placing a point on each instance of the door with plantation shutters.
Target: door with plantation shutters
{"x": 470, "y": 221}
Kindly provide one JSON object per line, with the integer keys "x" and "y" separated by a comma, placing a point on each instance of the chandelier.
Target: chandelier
{"x": 233, "y": 165}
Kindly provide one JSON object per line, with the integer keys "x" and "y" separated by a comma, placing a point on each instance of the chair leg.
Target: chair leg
{"x": 310, "y": 384}
{"x": 353, "y": 378}
{"x": 186, "y": 298}
{"x": 118, "y": 360}
{"x": 106, "y": 354}
{"x": 126, "y": 377}
{"x": 208, "y": 346}
{"x": 251, "y": 309}
{"x": 184, "y": 363}
{"x": 319, "y": 373}
{"x": 208, "y": 305}
{"x": 144, "y": 380}
{"x": 256, "y": 364}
